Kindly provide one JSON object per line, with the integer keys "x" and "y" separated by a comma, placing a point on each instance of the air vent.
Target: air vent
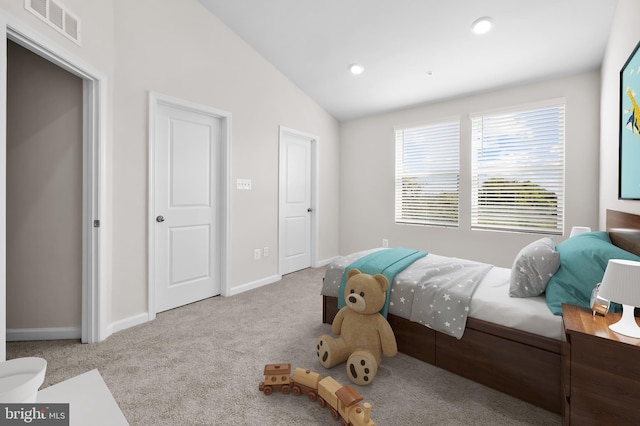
{"x": 57, "y": 16}
{"x": 39, "y": 7}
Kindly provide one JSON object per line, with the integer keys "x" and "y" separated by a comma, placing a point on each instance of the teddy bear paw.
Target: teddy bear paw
{"x": 323, "y": 350}
{"x": 362, "y": 368}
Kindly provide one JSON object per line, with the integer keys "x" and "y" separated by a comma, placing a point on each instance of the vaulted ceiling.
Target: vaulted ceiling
{"x": 417, "y": 51}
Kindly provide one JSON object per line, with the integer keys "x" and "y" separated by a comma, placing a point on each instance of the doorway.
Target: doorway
{"x": 44, "y": 199}
{"x": 298, "y": 207}
{"x": 94, "y": 219}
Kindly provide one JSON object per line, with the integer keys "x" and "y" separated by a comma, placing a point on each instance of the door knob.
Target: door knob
{"x": 309, "y": 209}
{"x": 160, "y": 219}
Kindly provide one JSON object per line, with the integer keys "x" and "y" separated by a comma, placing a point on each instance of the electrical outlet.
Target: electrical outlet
{"x": 265, "y": 251}
{"x": 385, "y": 242}
{"x": 257, "y": 254}
{"x": 243, "y": 184}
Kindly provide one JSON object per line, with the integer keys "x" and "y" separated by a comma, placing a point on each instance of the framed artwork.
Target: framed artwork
{"x": 629, "y": 166}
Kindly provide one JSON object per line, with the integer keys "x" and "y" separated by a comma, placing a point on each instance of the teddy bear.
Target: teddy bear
{"x": 365, "y": 335}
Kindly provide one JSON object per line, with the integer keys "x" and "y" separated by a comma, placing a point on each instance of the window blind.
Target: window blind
{"x": 518, "y": 170}
{"x": 428, "y": 174}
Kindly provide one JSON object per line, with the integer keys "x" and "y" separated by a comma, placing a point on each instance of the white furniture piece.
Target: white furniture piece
{"x": 90, "y": 400}
{"x": 20, "y": 379}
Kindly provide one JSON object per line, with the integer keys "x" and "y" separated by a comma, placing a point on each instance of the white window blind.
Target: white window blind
{"x": 518, "y": 170}
{"x": 428, "y": 174}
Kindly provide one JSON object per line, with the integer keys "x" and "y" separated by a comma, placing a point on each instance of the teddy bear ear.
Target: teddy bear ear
{"x": 352, "y": 272}
{"x": 384, "y": 282}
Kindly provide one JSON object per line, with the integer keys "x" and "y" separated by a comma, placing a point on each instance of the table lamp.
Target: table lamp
{"x": 621, "y": 283}
{"x": 577, "y": 230}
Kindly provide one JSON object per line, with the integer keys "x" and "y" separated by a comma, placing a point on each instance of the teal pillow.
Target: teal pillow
{"x": 583, "y": 259}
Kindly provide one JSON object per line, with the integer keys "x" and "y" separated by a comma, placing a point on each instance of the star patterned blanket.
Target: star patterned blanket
{"x": 435, "y": 291}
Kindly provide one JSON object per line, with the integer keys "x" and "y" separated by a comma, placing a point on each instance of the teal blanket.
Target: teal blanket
{"x": 388, "y": 262}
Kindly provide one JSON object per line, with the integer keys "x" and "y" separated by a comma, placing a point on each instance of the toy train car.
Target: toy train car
{"x": 305, "y": 381}
{"x": 276, "y": 377}
{"x": 343, "y": 401}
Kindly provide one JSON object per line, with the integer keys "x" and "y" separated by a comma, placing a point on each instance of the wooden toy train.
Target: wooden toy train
{"x": 344, "y": 401}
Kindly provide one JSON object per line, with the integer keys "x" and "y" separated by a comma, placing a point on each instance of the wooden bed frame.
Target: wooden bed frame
{"x": 521, "y": 364}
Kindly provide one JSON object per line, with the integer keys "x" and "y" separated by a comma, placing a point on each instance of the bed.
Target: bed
{"x": 516, "y": 348}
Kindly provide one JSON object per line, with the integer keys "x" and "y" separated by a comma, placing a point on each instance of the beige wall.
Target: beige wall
{"x": 625, "y": 35}
{"x": 44, "y": 193}
{"x": 184, "y": 51}
{"x": 367, "y": 172}
{"x": 178, "y": 48}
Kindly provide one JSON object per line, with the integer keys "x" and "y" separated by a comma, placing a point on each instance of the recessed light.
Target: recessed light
{"x": 482, "y": 25}
{"x": 356, "y": 69}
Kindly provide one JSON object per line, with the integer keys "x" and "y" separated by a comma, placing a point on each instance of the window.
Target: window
{"x": 518, "y": 170}
{"x": 428, "y": 174}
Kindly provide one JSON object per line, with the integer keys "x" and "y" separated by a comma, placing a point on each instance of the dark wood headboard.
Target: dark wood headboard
{"x": 624, "y": 230}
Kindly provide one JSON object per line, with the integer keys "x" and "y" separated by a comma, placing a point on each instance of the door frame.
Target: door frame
{"x": 223, "y": 213}
{"x": 94, "y": 244}
{"x": 313, "y": 139}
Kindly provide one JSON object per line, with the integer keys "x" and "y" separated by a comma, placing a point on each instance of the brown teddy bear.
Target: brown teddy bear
{"x": 365, "y": 335}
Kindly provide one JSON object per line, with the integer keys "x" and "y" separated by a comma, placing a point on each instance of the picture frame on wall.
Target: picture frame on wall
{"x": 629, "y": 149}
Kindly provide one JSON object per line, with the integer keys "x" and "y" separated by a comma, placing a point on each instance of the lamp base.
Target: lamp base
{"x": 627, "y": 324}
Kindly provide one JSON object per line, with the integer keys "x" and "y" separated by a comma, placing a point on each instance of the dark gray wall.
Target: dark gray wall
{"x": 44, "y": 193}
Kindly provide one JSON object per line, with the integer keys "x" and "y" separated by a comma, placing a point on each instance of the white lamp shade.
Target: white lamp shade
{"x": 577, "y": 230}
{"x": 621, "y": 282}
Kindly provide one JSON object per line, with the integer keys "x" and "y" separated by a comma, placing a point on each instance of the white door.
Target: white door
{"x": 295, "y": 202}
{"x": 186, "y": 152}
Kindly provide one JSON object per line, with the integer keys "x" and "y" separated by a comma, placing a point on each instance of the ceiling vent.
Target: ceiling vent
{"x": 57, "y": 16}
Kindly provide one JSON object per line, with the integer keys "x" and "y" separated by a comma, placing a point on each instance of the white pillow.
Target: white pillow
{"x": 533, "y": 267}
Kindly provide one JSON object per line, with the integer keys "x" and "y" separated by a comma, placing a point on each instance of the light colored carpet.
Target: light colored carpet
{"x": 201, "y": 364}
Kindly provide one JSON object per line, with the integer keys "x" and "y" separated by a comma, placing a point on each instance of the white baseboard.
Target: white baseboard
{"x": 325, "y": 262}
{"x": 52, "y": 333}
{"x": 138, "y": 319}
{"x": 255, "y": 284}
{"x": 125, "y": 323}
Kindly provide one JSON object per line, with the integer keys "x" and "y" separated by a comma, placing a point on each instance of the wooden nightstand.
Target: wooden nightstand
{"x": 601, "y": 371}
